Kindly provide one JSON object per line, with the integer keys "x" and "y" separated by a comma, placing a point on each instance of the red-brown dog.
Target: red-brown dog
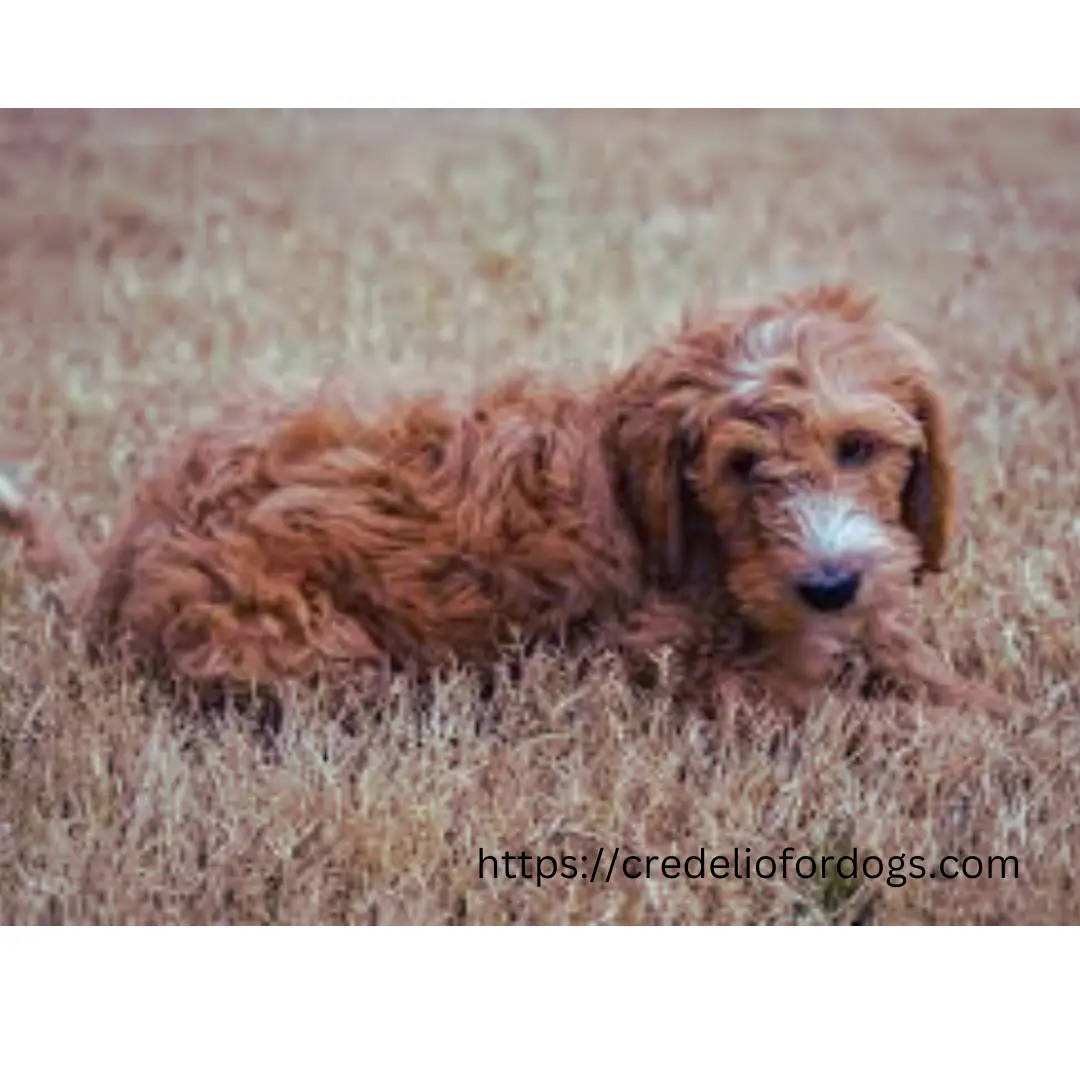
{"x": 760, "y": 495}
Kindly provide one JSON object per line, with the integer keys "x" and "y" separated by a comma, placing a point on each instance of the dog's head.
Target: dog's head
{"x": 798, "y": 450}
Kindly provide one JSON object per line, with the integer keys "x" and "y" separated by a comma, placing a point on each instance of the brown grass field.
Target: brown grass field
{"x": 151, "y": 262}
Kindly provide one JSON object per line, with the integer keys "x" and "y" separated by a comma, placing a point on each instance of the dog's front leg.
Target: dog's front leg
{"x": 904, "y": 663}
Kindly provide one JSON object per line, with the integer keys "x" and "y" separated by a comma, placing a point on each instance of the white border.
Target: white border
{"x": 481, "y": 53}
{"x": 536, "y": 1002}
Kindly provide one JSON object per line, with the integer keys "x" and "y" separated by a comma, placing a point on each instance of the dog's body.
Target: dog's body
{"x": 327, "y": 540}
{"x": 759, "y": 496}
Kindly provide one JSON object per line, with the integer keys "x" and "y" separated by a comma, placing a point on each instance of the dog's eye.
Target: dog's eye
{"x": 855, "y": 449}
{"x": 741, "y": 463}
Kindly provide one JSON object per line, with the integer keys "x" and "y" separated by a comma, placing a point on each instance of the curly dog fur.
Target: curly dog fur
{"x": 760, "y": 496}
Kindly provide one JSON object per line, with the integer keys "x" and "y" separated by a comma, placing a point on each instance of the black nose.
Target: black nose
{"x": 828, "y": 588}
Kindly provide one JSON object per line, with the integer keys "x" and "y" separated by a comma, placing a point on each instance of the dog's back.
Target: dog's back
{"x": 322, "y": 538}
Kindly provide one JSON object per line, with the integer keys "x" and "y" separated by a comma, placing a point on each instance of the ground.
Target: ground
{"x": 151, "y": 262}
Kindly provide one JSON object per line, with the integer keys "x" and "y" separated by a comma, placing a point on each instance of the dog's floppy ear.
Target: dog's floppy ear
{"x": 650, "y": 444}
{"x": 653, "y": 450}
{"x": 929, "y": 500}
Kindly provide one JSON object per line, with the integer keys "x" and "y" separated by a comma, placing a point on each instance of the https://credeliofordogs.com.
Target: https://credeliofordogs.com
{"x": 740, "y": 864}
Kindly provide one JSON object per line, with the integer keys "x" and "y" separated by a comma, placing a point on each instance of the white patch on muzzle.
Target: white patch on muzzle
{"x": 834, "y": 526}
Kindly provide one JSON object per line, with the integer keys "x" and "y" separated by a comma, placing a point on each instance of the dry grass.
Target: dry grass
{"x": 148, "y": 261}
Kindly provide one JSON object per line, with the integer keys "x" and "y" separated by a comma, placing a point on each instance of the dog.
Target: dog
{"x": 759, "y": 498}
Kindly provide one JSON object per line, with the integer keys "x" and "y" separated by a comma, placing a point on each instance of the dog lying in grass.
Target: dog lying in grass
{"x": 759, "y": 496}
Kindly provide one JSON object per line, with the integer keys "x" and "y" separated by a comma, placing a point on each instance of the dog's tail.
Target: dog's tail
{"x": 51, "y": 547}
